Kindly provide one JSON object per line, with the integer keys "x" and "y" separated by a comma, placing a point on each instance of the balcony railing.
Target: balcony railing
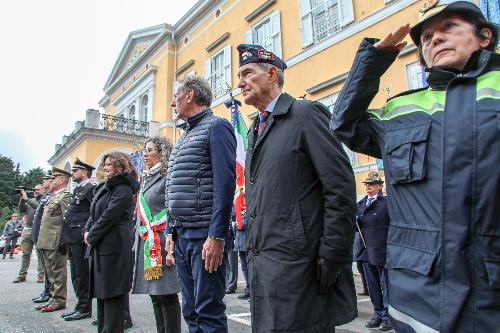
{"x": 124, "y": 125}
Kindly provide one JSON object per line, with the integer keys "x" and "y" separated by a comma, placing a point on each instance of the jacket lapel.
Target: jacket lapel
{"x": 156, "y": 177}
{"x": 282, "y": 106}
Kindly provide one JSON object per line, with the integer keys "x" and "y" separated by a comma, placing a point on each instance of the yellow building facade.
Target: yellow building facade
{"x": 317, "y": 39}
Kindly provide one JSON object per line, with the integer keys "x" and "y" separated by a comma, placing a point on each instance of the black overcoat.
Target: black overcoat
{"x": 300, "y": 196}
{"x": 373, "y": 222}
{"x": 109, "y": 228}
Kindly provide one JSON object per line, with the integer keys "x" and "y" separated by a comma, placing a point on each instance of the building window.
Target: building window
{"x": 144, "y": 108}
{"x": 218, "y": 72}
{"x": 131, "y": 112}
{"x": 329, "y": 102}
{"x": 415, "y": 75}
{"x": 323, "y": 18}
{"x": 266, "y": 33}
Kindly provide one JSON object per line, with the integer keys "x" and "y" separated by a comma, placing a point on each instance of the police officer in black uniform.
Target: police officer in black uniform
{"x": 75, "y": 218}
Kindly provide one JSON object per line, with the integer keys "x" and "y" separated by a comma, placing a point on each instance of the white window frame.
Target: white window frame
{"x": 273, "y": 19}
{"x": 329, "y": 102}
{"x": 414, "y": 72}
{"x": 224, "y": 72}
{"x": 309, "y": 36}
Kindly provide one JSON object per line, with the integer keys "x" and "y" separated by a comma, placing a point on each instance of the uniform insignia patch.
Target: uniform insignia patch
{"x": 245, "y": 55}
{"x": 265, "y": 55}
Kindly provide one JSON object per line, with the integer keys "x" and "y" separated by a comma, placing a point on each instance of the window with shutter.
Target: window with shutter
{"x": 323, "y": 18}
{"x": 267, "y": 33}
{"x": 218, "y": 72}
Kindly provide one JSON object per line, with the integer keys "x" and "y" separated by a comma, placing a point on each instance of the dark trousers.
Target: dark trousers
{"x": 126, "y": 313}
{"x": 167, "y": 313}
{"x": 232, "y": 271}
{"x": 110, "y": 314}
{"x": 80, "y": 277}
{"x": 47, "y": 286}
{"x": 202, "y": 292}
{"x": 244, "y": 268}
{"x": 359, "y": 265}
{"x": 10, "y": 244}
{"x": 376, "y": 278}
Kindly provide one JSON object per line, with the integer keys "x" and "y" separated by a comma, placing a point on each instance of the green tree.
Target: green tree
{"x": 10, "y": 179}
{"x": 32, "y": 177}
{"x": 5, "y": 214}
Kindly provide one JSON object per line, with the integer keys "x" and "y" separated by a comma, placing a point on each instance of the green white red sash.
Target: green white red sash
{"x": 148, "y": 232}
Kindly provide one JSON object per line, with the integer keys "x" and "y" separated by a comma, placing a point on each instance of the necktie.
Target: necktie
{"x": 370, "y": 201}
{"x": 262, "y": 121}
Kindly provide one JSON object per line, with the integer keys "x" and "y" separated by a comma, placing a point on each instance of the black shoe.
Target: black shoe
{"x": 128, "y": 324}
{"x": 42, "y": 299}
{"x": 77, "y": 316}
{"x": 373, "y": 323}
{"x": 244, "y": 296}
{"x": 95, "y": 322}
{"x": 385, "y": 326}
{"x": 230, "y": 291}
{"x": 69, "y": 313}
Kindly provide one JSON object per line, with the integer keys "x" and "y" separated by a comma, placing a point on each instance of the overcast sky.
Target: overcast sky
{"x": 55, "y": 58}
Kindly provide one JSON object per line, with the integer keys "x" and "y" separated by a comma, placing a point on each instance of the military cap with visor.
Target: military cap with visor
{"x": 81, "y": 165}
{"x": 48, "y": 175}
{"x": 257, "y": 54}
{"x": 373, "y": 178}
{"x": 56, "y": 172}
{"x": 432, "y": 8}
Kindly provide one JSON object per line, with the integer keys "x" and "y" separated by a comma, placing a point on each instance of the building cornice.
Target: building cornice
{"x": 328, "y": 83}
{"x": 163, "y": 36}
{"x": 217, "y": 42}
{"x": 150, "y": 71}
{"x": 262, "y": 8}
{"x": 86, "y": 133}
{"x": 192, "y": 16}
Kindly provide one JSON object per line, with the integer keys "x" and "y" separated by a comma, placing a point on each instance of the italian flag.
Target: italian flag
{"x": 240, "y": 131}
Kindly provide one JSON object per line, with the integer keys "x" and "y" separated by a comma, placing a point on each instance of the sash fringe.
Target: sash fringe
{"x": 153, "y": 273}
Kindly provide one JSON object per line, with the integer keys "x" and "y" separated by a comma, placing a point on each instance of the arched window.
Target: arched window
{"x": 144, "y": 107}
{"x": 131, "y": 112}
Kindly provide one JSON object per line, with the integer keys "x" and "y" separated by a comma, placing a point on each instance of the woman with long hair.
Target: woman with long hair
{"x": 155, "y": 272}
{"x": 107, "y": 233}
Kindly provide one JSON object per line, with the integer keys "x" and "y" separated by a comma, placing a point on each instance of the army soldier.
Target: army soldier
{"x": 49, "y": 240}
{"x": 72, "y": 234}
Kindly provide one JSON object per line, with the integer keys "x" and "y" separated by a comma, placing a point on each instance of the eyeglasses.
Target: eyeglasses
{"x": 149, "y": 150}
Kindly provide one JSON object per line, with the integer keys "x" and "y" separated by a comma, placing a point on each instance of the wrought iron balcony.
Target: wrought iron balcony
{"x": 124, "y": 125}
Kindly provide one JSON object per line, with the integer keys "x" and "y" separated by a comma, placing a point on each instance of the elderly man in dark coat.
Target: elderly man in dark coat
{"x": 300, "y": 196}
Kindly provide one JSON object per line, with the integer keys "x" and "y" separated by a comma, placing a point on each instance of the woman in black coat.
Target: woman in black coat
{"x": 107, "y": 234}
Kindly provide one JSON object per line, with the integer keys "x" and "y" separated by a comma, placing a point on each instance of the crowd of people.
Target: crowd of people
{"x": 428, "y": 253}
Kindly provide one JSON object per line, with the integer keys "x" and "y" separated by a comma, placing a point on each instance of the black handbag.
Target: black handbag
{"x": 17, "y": 233}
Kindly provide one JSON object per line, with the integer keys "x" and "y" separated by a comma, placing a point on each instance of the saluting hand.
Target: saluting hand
{"x": 213, "y": 254}
{"x": 394, "y": 40}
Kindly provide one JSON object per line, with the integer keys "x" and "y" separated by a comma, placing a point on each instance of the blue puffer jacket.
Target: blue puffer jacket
{"x": 189, "y": 185}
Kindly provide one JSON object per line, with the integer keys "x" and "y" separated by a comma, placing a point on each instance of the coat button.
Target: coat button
{"x": 255, "y": 252}
{"x": 252, "y": 181}
{"x": 252, "y": 215}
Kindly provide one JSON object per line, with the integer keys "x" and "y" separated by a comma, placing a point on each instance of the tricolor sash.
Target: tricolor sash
{"x": 148, "y": 232}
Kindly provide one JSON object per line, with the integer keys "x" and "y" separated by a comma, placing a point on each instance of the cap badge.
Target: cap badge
{"x": 245, "y": 55}
{"x": 428, "y": 5}
{"x": 265, "y": 55}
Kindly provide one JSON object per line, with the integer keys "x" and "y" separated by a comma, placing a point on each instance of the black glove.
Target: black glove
{"x": 63, "y": 248}
{"x": 327, "y": 273}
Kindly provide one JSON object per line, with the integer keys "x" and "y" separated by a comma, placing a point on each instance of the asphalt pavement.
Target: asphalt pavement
{"x": 17, "y": 314}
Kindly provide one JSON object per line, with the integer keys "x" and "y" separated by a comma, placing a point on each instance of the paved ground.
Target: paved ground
{"x": 17, "y": 314}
